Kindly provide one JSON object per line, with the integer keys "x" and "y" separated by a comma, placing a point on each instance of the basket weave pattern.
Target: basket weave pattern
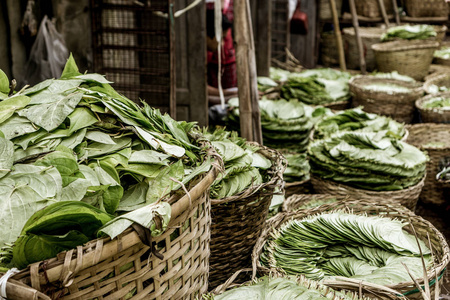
{"x": 433, "y": 115}
{"x": 369, "y": 36}
{"x": 422, "y": 227}
{"x": 420, "y": 135}
{"x": 238, "y": 220}
{"x": 426, "y": 8}
{"x": 371, "y": 8}
{"x": 438, "y": 80}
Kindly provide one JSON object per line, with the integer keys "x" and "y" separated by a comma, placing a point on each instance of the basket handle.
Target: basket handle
{"x": 229, "y": 283}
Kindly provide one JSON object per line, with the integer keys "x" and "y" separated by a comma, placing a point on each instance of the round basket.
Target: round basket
{"x": 422, "y": 227}
{"x": 397, "y": 105}
{"x": 325, "y": 9}
{"x": 173, "y": 265}
{"x": 296, "y": 202}
{"x": 371, "y": 8}
{"x": 369, "y": 36}
{"x": 407, "y": 197}
{"x": 238, "y": 220}
{"x": 412, "y": 58}
{"x": 422, "y": 136}
{"x": 433, "y": 115}
{"x": 441, "y": 31}
{"x": 426, "y": 8}
{"x": 432, "y": 85}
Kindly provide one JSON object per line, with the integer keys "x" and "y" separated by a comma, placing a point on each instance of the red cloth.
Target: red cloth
{"x": 229, "y": 77}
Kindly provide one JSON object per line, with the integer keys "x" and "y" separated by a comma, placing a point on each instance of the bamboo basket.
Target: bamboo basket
{"x": 369, "y": 36}
{"x": 412, "y": 58}
{"x": 238, "y": 220}
{"x": 438, "y": 80}
{"x": 420, "y": 135}
{"x": 407, "y": 197}
{"x": 426, "y": 8}
{"x": 171, "y": 266}
{"x": 329, "y": 54}
{"x": 422, "y": 227}
{"x": 397, "y": 105}
{"x": 325, "y": 10}
{"x": 433, "y": 115}
{"x": 371, "y": 8}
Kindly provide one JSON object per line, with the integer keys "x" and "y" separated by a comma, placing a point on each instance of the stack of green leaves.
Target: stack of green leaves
{"x": 279, "y": 75}
{"x": 317, "y": 87}
{"x": 443, "y": 53}
{"x": 441, "y": 103}
{"x": 393, "y": 75}
{"x": 356, "y": 119}
{"x": 285, "y": 124}
{"x": 288, "y": 288}
{"x": 244, "y": 166}
{"x": 75, "y": 138}
{"x": 409, "y": 32}
{"x": 266, "y": 83}
{"x": 367, "y": 160}
{"x": 371, "y": 248}
{"x": 297, "y": 168}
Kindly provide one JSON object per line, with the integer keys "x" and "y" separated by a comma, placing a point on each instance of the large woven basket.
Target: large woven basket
{"x": 432, "y": 85}
{"x": 407, "y": 197}
{"x": 369, "y": 36}
{"x": 238, "y": 220}
{"x": 423, "y": 136}
{"x": 412, "y": 58}
{"x": 371, "y": 8}
{"x": 433, "y": 115}
{"x": 426, "y": 8}
{"x": 422, "y": 227}
{"x": 171, "y": 266}
{"x": 397, "y": 105}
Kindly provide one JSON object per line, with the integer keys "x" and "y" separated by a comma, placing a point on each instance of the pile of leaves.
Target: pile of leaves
{"x": 298, "y": 167}
{"x": 393, "y": 75}
{"x": 409, "y": 32}
{"x": 266, "y": 83}
{"x": 285, "y": 124}
{"x": 441, "y": 103}
{"x": 244, "y": 165}
{"x": 317, "y": 86}
{"x": 356, "y": 119}
{"x": 279, "y": 75}
{"x": 367, "y": 160}
{"x": 77, "y": 139}
{"x": 443, "y": 53}
{"x": 370, "y": 248}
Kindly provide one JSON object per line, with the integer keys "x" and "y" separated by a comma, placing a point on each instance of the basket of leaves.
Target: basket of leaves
{"x": 368, "y": 166}
{"x": 434, "y": 108}
{"x": 437, "y": 84}
{"x": 379, "y": 249}
{"x": 104, "y": 198}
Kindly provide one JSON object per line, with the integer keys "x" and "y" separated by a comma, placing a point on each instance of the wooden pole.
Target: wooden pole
{"x": 383, "y": 12}
{"x": 337, "y": 32}
{"x": 397, "y": 17}
{"x": 362, "y": 61}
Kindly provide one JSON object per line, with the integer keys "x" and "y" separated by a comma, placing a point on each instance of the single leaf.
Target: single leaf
{"x": 16, "y": 126}
{"x": 100, "y": 149}
{"x": 173, "y": 150}
{"x": 55, "y": 91}
{"x": 38, "y": 87}
{"x": 149, "y": 157}
{"x": 93, "y": 77}
{"x": 75, "y": 139}
{"x": 4, "y": 83}
{"x": 80, "y": 118}
{"x": 100, "y": 137}
{"x": 9, "y": 106}
{"x": 163, "y": 184}
{"x": 6, "y": 156}
{"x": 70, "y": 69}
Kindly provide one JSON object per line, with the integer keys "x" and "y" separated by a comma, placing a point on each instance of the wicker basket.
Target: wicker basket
{"x": 238, "y": 220}
{"x": 441, "y": 32}
{"x": 421, "y": 226}
{"x": 433, "y": 115}
{"x": 369, "y": 36}
{"x": 421, "y": 135}
{"x": 371, "y": 8}
{"x": 171, "y": 266}
{"x": 412, "y": 58}
{"x": 329, "y": 54}
{"x": 438, "y": 80}
{"x": 407, "y": 197}
{"x": 325, "y": 9}
{"x": 298, "y": 187}
{"x": 397, "y": 105}
{"x": 426, "y": 8}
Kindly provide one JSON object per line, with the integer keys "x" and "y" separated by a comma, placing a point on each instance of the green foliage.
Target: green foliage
{"x": 409, "y": 32}
{"x": 440, "y": 103}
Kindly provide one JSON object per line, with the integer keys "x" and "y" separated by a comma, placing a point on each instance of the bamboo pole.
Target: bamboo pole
{"x": 397, "y": 17}
{"x": 383, "y": 12}
{"x": 362, "y": 61}
{"x": 337, "y": 32}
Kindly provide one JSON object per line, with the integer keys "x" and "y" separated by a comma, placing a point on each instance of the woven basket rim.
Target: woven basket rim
{"x": 295, "y": 183}
{"x": 279, "y": 164}
{"x": 421, "y": 101}
{"x": 430, "y": 126}
{"x": 432, "y": 81}
{"x": 364, "y": 205}
{"x": 405, "y": 45}
{"x": 359, "y": 82}
{"x": 365, "y": 32}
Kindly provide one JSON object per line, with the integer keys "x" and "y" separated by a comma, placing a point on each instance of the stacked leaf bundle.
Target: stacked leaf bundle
{"x": 317, "y": 87}
{"x": 285, "y": 124}
{"x": 96, "y": 156}
{"x": 409, "y": 32}
{"x": 298, "y": 167}
{"x": 367, "y": 160}
{"x": 357, "y": 120}
{"x": 337, "y": 243}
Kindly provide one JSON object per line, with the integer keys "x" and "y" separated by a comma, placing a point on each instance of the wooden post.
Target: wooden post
{"x": 264, "y": 37}
{"x": 362, "y": 61}
{"x": 337, "y": 32}
{"x": 383, "y": 12}
{"x": 397, "y": 17}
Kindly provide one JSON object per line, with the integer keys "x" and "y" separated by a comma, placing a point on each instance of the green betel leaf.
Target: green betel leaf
{"x": 155, "y": 143}
{"x": 51, "y": 115}
{"x": 163, "y": 184}
{"x": 4, "y": 83}
{"x": 80, "y": 118}
{"x": 70, "y": 69}
{"x": 16, "y": 126}
{"x": 93, "y": 77}
{"x": 99, "y": 149}
{"x": 6, "y": 156}
{"x": 149, "y": 157}
{"x": 55, "y": 91}
{"x": 64, "y": 162}
{"x": 9, "y": 106}
{"x": 100, "y": 137}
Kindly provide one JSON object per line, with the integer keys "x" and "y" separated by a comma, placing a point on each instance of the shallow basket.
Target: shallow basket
{"x": 422, "y": 227}
{"x": 171, "y": 266}
{"x": 407, "y": 197}
{"x": 426, "y": 8}
{"x": 238, "y": 220}
{"x": 412, "y": 58}
{"x": 439, "y": 80}
{"x": 397, "y": 105}
{"x": 433, "y": 115}
{"x": 420, "y": 135}
{"x": 371, "y": 8}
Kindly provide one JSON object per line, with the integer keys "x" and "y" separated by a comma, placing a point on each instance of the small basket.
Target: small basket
{"x": 238, "y": 220}
{"x": 422, "y": 227}
{"x": 397, "y": 105}
{"x": 171, "y": 266}
{"x": 407, "y": 197}
{"x": 412, "y": 58}
{"x": 371, "y": 8}
{"x": 295, "y": 202}
{"x": 420, "y": 135}
{"x": 426, "y": 8}
{"x": 439, "y": 80}
{"x": 433, "y": 115}
{"x": 369, "y": 36}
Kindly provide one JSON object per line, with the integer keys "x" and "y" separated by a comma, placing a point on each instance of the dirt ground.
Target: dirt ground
{"x": 440, "y": 218}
